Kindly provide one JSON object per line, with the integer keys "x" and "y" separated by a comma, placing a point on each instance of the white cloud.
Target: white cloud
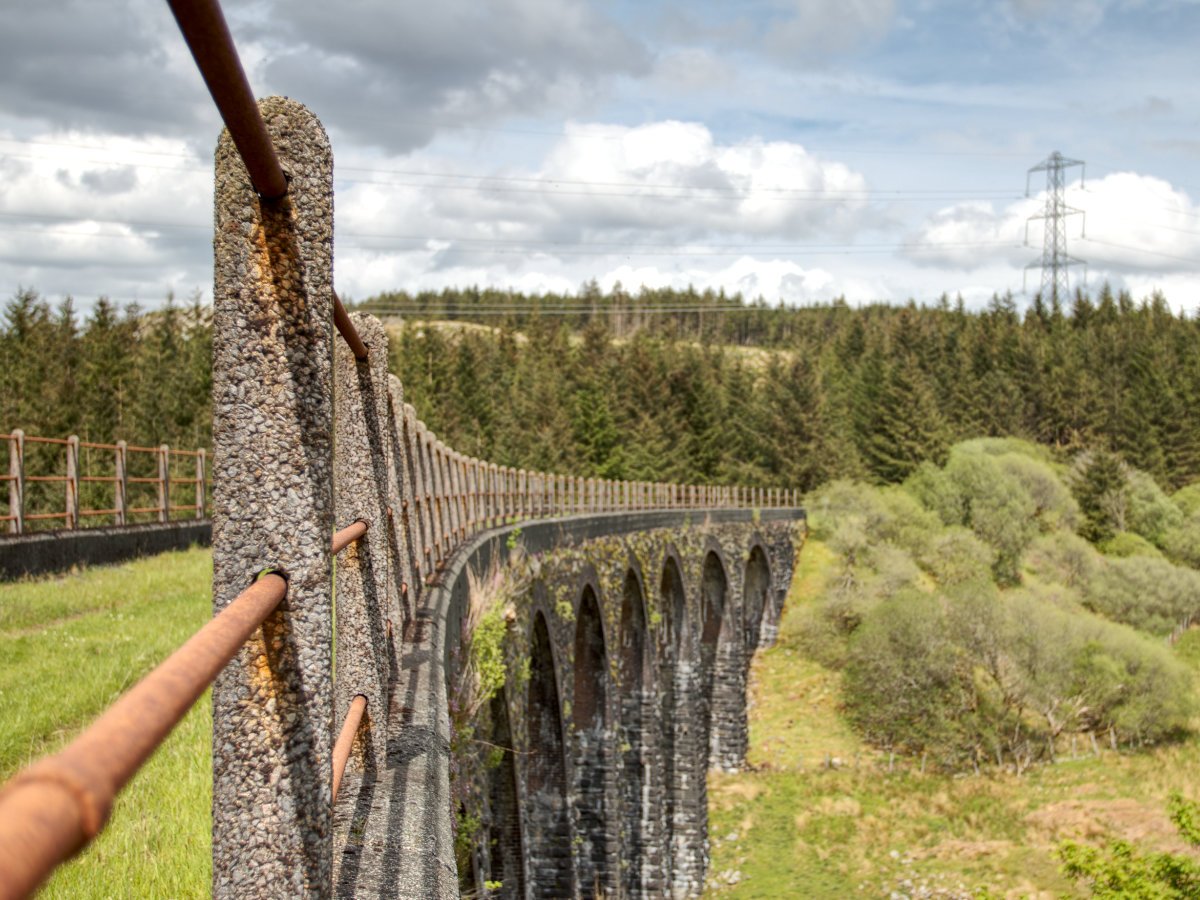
{"x": 86, "y": 214}
{"x": 1131, "y": 223}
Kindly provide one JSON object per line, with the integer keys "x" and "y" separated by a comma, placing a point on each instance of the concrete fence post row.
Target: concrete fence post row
{"x": 285, "y": 392}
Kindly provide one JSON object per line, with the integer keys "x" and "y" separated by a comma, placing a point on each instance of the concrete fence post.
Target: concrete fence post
{"x": 401, "y": 503}
{"x": 121, "y": 481}
{"x": 273, "y": 508}
{"x": 201, "y": 482}
{"x": 364, "y": 592}
{"x": 72, "y": 483}
{"x": 489, "y": 480}
{"x": 414, "y": 442}
{"x": 164, "y": 483}
{"x": 435, "y": 500}
{"x": 446, "y": 467}
{"x": 442, "y": 493}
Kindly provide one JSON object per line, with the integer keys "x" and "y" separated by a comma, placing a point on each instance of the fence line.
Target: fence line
{"x": 72, "y": 475}
{"x": 269, "y": 649}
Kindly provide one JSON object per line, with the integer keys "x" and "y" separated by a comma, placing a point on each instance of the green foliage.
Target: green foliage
{"x": 1102, "y": 488}
{"x": 1152, "y": 514}
{"x": 1150, "y": 594}
{"x": 981, "y": 492}
{"x": 69, "y": 646}
{"x": 1182, "y": 543}
{"x": 1187, "y": 499}
{"x": 971, "y": 624}
{"x": 1121, "y": 870}
{"x": 1126, "y": 543}
{"x": 842, "y": 392}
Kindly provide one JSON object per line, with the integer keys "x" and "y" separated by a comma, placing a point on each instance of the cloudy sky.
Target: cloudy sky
{"x": 793, "y": 149}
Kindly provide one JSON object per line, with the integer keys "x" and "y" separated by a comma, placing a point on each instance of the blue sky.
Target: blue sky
{"x": 793, "y": 149}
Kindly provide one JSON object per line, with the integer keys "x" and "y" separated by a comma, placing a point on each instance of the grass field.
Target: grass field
{"x": 821, "y": 816}
{"x": 68, "y": 647}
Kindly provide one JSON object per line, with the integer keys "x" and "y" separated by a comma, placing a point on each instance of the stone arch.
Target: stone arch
{"x": 636, "y": 810}
{"x": 714, "y": 636}
{"x": 502, "y": 857}
{"x": 590, "y": 735}
{"x": 756, "y": 590}
{"x": 548, "y": 833}
{"x": 677, "y": 733}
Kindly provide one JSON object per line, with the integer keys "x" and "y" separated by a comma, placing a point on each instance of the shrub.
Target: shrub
{"x": 1054, "y": 506}
{"x": 1126, "y": 544}
{"x": 956, "y": 556}
{"x": 1151, "y": 512}
{"x": 1063, "y": 558}
{"x": 903, "y": 684}
{"x": 1187, "y": 499}
{"x": 1182, "y": 543}
{"x": 1149, "y": 594}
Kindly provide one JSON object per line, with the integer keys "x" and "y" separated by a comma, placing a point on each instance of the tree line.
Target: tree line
{"x": 800, "y": 396}
{"x": 756, "y": 395}
{"x": 113, "y": 374}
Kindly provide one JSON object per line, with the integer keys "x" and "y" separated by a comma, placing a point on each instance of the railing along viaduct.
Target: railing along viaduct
{"x": 639, "y": 607}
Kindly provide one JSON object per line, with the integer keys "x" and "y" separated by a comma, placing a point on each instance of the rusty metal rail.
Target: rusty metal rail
{"x": 341, "y": 749}
{"x": 348, "y": 535}
{"x": 342, "y": 320}
{"x": 207, "y": 36}
{"x": 54, "y": 808}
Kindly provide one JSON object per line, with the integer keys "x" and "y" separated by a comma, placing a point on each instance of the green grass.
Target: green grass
{"x": 794, "y": 827}
{"x": 69, "y": 646}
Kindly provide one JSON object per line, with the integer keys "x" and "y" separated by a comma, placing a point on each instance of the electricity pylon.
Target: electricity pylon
{"x": 1055, "y": 259}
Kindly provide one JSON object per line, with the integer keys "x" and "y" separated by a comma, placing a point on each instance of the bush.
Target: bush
{"x": 904, "y": 687}
{"x": 1120, "y": 870}
{"x": 996, "y": 507}
{"x": 1063, "y": 558}
{"x": 956, "y": 556}
{"x": 1054, "y": 507}
{"x": 1181, "y": 544}
{"x": 1187, "y": 499}
{"x": 1151, "y": 512}
{"x": 1150, "y": 594}
{"x": 1126, "y": 544}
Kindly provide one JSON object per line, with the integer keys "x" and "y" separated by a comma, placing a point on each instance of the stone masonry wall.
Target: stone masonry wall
{"x": 632, "y": 749}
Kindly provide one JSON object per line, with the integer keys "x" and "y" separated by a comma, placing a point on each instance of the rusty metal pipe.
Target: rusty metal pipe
{"x": 52, "y": 809}
{"x": 348, "y": 535}
{"x": 207, "y": 36}
{"x": 341, "y": 749}
{"x": 341, "y": 319}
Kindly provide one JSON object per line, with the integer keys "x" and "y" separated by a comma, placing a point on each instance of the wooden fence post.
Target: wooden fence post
{"x": 200, "y": 483}
{"x": 72, "y": 483}
{"x": 16, "y": 484}
{"x": 121, "y": 483}
{"x": 164, "y": 483}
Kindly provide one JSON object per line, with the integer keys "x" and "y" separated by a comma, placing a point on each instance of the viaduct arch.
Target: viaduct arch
{"x": 627, "y": 650}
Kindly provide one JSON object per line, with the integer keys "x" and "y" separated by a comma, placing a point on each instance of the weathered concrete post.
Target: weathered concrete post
{"x": 273, "y": 507}
{"x": 365, "y": 595}
{"x": 402, "y": 502}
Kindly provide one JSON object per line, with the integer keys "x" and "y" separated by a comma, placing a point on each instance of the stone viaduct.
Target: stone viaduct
{"x": 630, "y": 612}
